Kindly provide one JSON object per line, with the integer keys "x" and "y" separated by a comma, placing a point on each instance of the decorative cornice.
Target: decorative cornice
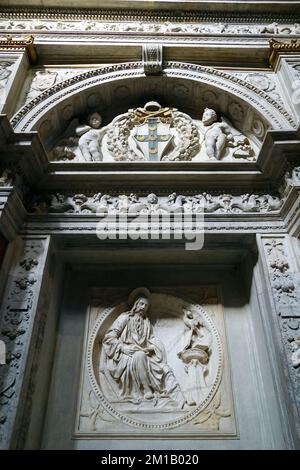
{"x": 19, "y": 45}
{"x": 144, "y": 15}
{"x": 287, "y": 47}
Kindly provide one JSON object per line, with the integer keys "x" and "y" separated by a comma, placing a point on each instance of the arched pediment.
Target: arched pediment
{"x": 190, "y": 88}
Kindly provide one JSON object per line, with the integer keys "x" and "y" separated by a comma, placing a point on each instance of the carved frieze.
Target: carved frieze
{"x": 165, "y": 28}
{"x": 154, "y": 363}
{"x": 103, "y": 204}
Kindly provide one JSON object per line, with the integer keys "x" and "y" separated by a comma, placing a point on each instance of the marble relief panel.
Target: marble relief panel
{"x": 155, "y": 363}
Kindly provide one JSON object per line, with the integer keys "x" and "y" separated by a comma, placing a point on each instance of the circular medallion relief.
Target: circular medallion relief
{"x": 155, "y": 362}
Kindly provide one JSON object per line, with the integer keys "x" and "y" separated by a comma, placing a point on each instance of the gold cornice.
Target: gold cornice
{"x": 286, "y": 47}
{"x": 20, "y": 45}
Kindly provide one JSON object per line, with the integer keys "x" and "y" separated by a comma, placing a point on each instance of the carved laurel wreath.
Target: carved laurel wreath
{"x": 187, "y": 133}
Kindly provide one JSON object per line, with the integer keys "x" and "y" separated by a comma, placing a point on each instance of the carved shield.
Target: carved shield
{"x": 153, "y": 138}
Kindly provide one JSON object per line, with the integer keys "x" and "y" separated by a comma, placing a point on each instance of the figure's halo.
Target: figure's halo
{"x": 138, "y": 292}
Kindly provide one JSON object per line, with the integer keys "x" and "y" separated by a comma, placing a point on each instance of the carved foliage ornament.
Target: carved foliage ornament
{"x": 153, "y": 133}
{"x": 286, "y": 293}
{"x": 15, "y": 324}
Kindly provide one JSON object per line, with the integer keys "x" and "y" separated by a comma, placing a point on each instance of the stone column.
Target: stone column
{"x": 22, "y": 325}
{"x": 280, "y": 288}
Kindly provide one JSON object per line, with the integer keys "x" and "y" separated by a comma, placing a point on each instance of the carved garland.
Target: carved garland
{"x": 117, "y": 139}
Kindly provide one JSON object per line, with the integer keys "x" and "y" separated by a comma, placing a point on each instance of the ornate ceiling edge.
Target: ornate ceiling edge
{"x": 291, "y": 46}
{"x": 17, "y": 45}
{"x": 145, "y": 15}
{"x": 187, "y": 70}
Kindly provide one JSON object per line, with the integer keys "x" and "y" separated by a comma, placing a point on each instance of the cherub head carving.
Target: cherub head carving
{"x": 209, "y": 116}
{"x": 95, "y": 120}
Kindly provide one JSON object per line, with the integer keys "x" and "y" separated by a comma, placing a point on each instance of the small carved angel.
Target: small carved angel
{"x": 90, "y": 138}
{"x": 199, "y": 335}
{"x": 217, "y": 135}
{"x": 220, "y": 134}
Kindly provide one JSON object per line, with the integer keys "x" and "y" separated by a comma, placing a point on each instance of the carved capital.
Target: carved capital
{"x": 287, "y": 47}
{"x": 20, "y": 45}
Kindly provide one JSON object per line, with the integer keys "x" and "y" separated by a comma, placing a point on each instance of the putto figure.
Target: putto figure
{"x": 217, "y": 134}
{"x": 136, "y": 359}
{"x": 222, "y": 139}
{"x": 91, "y": 137}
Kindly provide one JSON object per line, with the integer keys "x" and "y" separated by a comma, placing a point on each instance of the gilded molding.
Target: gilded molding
{"x": 287, "y": 47}
{"x": 20, "y": 45}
